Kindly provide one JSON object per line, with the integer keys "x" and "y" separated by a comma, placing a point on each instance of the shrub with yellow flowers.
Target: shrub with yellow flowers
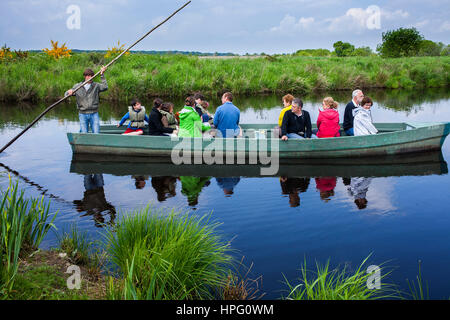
{"x": 58, "y": 52}
{"x": 5, "y": 53}
{"x": 115, "y": 51}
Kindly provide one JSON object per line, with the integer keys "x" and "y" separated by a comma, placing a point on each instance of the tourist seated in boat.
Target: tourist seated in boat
{"x": 357, "y": 97}
{"x": 201, "y": 106}
{"x": 206, "y": 116}
{"x": 168, "y": 118}
{"x": 155, "y": 125}
{"x": 190, "y": 122}
{"x": 362, "y": 123}
{"x": 226, "y": 118}
{"x": 287, "y": 105}
{"x": 136, "y": 115}
{"x": 328, "y": 120}
{"x": 296, "y": 122}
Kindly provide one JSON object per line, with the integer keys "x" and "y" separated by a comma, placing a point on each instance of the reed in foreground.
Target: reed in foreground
{"x": 335, "y": 284}
{"x": 167, "y": 256}
{"x": 23, "y": 225}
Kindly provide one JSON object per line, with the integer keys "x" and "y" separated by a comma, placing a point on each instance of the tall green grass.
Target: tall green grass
{"x": 76, "y": 245}
{"x": 337, "y": 284}
{"x": 42, "y": 78}
{"x": 167, "y": 256}
{"x": 417, "y": 288}
{"x": 23, "y": 225}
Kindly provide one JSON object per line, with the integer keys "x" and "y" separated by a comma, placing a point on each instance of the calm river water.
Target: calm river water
{"x": 400, "y": 214}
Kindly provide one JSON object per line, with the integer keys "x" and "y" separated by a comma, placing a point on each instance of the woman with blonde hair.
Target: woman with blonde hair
{"x": 328, "y": 120}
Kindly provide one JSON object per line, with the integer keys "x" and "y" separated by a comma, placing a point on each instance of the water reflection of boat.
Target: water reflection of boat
{"x": 393, "y": 138}
{"x": 400, "y": 165}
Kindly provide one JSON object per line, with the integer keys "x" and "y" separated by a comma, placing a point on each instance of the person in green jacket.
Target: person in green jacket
{"x": 190, "y": 122}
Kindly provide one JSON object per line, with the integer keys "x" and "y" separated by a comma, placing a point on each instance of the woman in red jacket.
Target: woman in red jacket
{"x": 328, "y": 120}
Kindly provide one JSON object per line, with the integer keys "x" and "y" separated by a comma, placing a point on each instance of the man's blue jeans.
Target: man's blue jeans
{"x": 89, "y": 120}
{"x": 294, "y": 136}
{"x": 350, "y": 132}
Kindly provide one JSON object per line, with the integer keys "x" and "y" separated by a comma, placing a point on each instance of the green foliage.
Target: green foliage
{"x": 430, "y": 48}
{"x": 446, "y": 51}
{"x": 343, "y": 49}
{"x": 362, "y": 52}
{"x": 166, "y": 256}
{"x": 403, "y": 42}
{"x": 43, "y": 283}
{"x": 313, "y": 53}
{"x": 40, "y": 78}
{"x": 327, "y": 284}
{"x": 76, "y": 245}
{"x": 23, "y": 225}
{"x": 418, "y": 289}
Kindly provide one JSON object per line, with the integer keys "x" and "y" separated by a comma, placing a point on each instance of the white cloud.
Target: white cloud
{"x": 289, "y": 24}
{"x": 445, "y": 26}
{"x": 355, "y": 20}
{"x": 393, "y": 15}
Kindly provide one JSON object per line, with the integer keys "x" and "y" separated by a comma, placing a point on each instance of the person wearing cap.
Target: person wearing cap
{"x": 87, "y": 100}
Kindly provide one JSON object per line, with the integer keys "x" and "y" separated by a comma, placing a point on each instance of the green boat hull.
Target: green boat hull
{"x": 393, "y": 139}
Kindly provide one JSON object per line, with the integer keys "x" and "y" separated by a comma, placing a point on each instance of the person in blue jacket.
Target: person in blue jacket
{"x": 136, "y": 115}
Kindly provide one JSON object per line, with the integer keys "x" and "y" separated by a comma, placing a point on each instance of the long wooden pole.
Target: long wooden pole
{"x": 98, "y": 72}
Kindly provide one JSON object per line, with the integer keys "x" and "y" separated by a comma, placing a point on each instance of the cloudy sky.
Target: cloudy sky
{"x": 239, "y": 26}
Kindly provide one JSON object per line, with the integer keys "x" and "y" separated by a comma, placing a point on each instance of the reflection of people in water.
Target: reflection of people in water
{"x": 192, "y": 186}
{"x": 94, "y": 201}
{"x": 165, "y": 187}
{"x": 326, "y": 187}
{"x": 228, "y": 184}
{"x": 358, "y": 189}
{"x": 139, "y": 181}
{"x": 292, "y": 187}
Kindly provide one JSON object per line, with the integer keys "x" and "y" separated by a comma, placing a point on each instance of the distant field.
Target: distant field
{"x": 40, "y": 78}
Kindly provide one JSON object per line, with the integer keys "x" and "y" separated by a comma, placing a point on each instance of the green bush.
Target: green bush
{"x": 167, "y": 256}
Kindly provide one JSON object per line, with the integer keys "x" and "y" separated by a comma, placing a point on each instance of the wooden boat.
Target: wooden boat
{"x": 392, "y": 139}
{"x": 413, "y": 164}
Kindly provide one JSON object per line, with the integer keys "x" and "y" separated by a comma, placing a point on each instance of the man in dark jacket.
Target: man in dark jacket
{"x": 296, "y": 122}
{"x": 357, "y": 97}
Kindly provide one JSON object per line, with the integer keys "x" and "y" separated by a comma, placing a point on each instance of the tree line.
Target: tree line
{"x": 402, "y": 42}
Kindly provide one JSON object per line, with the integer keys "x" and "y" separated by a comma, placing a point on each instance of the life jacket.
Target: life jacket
{"x": 137, "y": 118}
{"x": 170, "y": 117}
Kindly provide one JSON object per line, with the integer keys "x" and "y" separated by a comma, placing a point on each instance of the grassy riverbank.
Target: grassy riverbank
{"x": 41, "y": 78}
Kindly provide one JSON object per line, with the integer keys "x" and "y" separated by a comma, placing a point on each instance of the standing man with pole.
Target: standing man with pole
{"x": 87, "y": 100}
